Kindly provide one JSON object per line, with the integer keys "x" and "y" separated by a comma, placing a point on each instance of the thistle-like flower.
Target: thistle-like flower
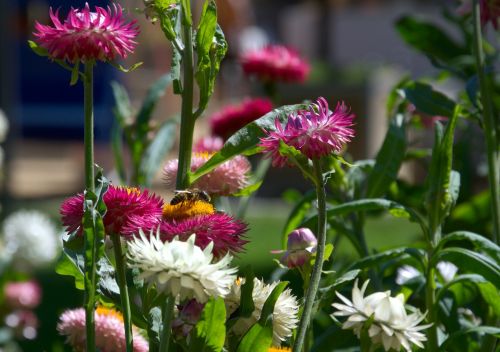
{"x": 85, "y": 35}
{"x": 222, "y": 230}
{"x": 285, "y": 313}
{"x": 128, "y": 210}
{"x": 233, "y": 117}
{"x": 110, "y": 333}
{"x": 275, "y": 63}
{"x": 22, "y": 295}
{"x": 391, "y": 326}
{"x": 226, "y": 179}
{"x": 315, "y": 132}
{"x": 181, "y": 268}
{"x": 31, "y": 239}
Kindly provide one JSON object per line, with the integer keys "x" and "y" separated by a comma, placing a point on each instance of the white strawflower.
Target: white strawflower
{"x": 181, "y": 268}
{"x": 407, "y": 272}
{"x": 285, "y": 311}
{"x": 391, "y": 327}
{"x": 31, "y": 239}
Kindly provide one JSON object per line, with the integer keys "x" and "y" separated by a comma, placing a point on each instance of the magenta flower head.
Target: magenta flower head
{"x": 275, "y": 63}
{"x": 22, "y": 295}
{"x": 315, "y": 132}
{"x": 490, "y": 12}
{"x": 109, "y": 331}
{"x": 301, "y": 245}
{"x": 226, "y": 232}
{"x": 128, "y": 210}
{"x": 233, "y": 117}
{"x": 85, "y": 35}
{"x": 226, "y": 179}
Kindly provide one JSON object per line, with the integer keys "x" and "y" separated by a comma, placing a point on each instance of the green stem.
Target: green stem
{"x": 430, "y": 302}
{"x": 122, "y": 284}
{"x": 88, "y": 109}
{"x": 168, "y": 314}
{"x": 187, "y": 118}
{"x": 318, "y": 264}
{"x": 490, "y": 126}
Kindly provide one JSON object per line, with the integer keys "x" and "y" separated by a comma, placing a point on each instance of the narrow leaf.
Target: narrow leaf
{"x": 155, "y": 92}
{"x": 479, "y": 242}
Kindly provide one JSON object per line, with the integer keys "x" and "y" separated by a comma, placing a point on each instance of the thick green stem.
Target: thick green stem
{"x": 318, "y": 264}
{"x": 490, "y": 127}
{"x": 168, "y": 314}
{"x": 88, "y": 108}
{"x": 430, "y": 302}
{"x": 122, "y": 284}
{"x": 187, "y": 118}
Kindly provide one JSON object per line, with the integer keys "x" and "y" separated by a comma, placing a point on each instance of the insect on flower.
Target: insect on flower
{"x": 190, "y": 195}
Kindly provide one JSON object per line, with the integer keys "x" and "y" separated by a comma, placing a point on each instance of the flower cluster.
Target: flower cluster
{"x": 226, "y": 122}
{"x": 85, "y": 35}
{"x": 181, "y": 268}
{"x": 275, "y": 63}
{"x": 392, "y": 326}
{"x": 128, "y": 210}
{"x": 285, "y": 313}
{"x": 315, "y": 132}
{"x": 110, "y": 333}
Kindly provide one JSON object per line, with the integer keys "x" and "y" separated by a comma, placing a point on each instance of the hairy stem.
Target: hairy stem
{"x": 90, "y": 285}
{"x": 122, "y": 284}
{"x": 318, "y": 264}
{"x": 492, "y": 145}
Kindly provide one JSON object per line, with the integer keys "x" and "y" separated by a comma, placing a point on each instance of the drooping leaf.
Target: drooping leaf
{"x": 71, "y": 264}
{"x": 389, "y": 159}
{"x": 157, "y": 150}
{"x": 429, "y": 39}
{"x": 479, "y": 242}
{"x": 246, "y": 139}
{"x": 382, "y": 257}
{"x": 209, "y": 332}
{"x": 471, "y": 261}
{"x": 39, "y": 50}
{"x": 428, "y": 100}
{"x": 249, "y": 190}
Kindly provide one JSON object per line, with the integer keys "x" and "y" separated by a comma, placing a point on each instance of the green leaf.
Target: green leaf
{"x": 107, "y": 285}
{"x": 479, "y": 242}
{"x": 257, "y": 339}
{"x": 389, "y": 159}
{"x": 117, "y": 148}
{"x": 428, "y": 100}
{"x": 122, "y": 108}
{"x": 471, "y": 261}
{"x": 490, "y": 295}
{"x": 206, "y": 28}
{"x": 210, "y": 331}
{"x": 267, "y": 310}
{"x": 75, "y": 73}
{"x": 71, "y": 264}
{"x": 155, "y": 324}
{"x": 157, "y": 150}
{"x": 40, "y": 51}
{"x": 488, "y": 330}
{"x": 297, "y": 215}
{"x": 247, "y": 305}
{"x": 245, "y": 192}
{"x": 246, "y": 139}
{"x": 125, "y": 69}
{"x": 429, "y": 39}
{"x": 472, "y": 278}
{"x": 382, "y": 257}
{"x": 155, "y": 92}
{"x": 441, "y": 184}
{"x": 186, "y": 12}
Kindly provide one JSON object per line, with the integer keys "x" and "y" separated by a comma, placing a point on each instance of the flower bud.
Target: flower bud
{"x": 301, "y": 244}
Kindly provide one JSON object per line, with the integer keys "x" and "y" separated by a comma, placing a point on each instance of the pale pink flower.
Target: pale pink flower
{"x": 109, "y": 331}
{"x": 85, "y": 35}
{"x": 226, "y": 179}
{"x": 275, "y": 63}
{"x": 26, "y": 294}
{"x": 231, "y": 118}
{"x": 209, "y": 144}
{"x": 315, "y": 132}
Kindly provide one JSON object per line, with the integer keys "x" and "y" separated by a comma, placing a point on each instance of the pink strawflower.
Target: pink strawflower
{"x": 209, "y": 144}
{"x": 222, "y": 229}
{"x": 233, "y": 117}
{"x": 109, "y": 331}
{"x": 226, "y": 179}
{"x": 128, "y": 210}
{"x": 315, "y": 132}
{"x": 26, "y": 294}
{"x": 490, "y": 12}
{"x": 275, "y": 63}
{"x": 85, "y": 35}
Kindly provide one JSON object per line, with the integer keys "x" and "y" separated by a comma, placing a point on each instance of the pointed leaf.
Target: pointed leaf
{"x": 75, "y": 73}
{"x": 210, "y": 331}
{"x": 428, "y": 100}
{"x": 479, "y": 242}
{"x": 71, "y": 264}
{"x": 155, "y": 92}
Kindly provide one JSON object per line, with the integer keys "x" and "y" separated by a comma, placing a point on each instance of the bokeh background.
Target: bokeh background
{"x": 355, "y": 53}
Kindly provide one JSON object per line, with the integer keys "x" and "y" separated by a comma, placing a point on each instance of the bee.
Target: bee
{"x": 190, "y": 195}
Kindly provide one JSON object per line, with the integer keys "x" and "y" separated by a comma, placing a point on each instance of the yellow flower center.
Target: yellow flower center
{"x": 109, "y": 312}
{"x": 187, "y": 209}
{"x": 278, "y": 349}
{"x": 132, "y": 190}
